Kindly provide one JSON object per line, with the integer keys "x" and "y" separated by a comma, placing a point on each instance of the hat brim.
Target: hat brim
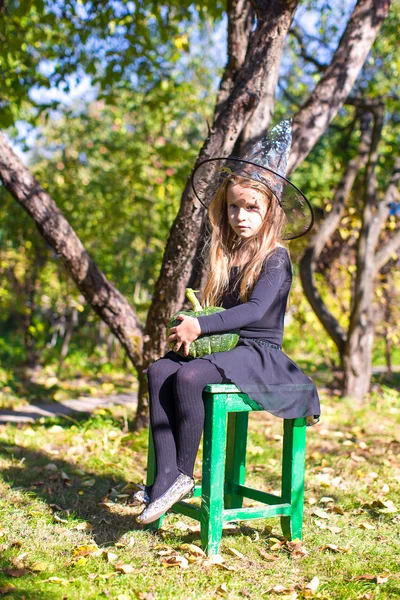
{"x": 211, "y": 173}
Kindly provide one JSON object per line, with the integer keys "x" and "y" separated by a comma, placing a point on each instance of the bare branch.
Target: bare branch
{"x": 240, "y": 23}
{"x": 296, "y": 33}
{"x": 330, "y": 93}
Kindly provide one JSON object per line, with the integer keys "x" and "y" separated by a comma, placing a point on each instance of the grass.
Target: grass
{"x": 65, "y": 491}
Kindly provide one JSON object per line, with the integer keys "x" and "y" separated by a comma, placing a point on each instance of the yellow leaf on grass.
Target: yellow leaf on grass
{"x": 192, "y": 549}
{"x": 5, "y": 589}
{"x": 38, "y": 566}
{"x": 85, "y": 550}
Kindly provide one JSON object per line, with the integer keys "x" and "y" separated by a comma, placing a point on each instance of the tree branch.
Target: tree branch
{"x": 240, "y": 23}
{"x": 318, "y": 111}
{"x": 100, "y": 293}
{"x": 295, "y": 31}
{"x": 317, "y": 243}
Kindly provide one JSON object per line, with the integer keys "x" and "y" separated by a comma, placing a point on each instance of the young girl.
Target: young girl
{"x": 253, "y": 210}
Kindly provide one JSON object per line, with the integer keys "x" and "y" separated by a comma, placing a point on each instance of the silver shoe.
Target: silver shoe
{"x": 182, "y": 485}
{"x": 142, "y": 495}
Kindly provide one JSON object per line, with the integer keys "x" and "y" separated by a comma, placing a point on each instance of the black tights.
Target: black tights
{"x": 177, "y": 414}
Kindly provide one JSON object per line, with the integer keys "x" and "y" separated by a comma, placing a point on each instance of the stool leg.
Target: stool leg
{"x": 293, "y": 467}
{"x": 235, "y": 469}
{"x": 151, "y": 473}
{"x": 214, "y": 444}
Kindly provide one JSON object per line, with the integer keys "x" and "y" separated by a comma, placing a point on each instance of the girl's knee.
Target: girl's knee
{"x": 188, "y": 375}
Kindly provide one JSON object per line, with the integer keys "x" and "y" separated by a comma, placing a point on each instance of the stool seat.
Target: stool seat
{"x": 223, "y": 488}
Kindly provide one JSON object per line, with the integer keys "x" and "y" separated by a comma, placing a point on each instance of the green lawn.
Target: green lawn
{"x": 67, "y": 529}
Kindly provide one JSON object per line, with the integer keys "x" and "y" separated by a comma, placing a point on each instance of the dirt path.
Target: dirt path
{"x": 31, "y": 412}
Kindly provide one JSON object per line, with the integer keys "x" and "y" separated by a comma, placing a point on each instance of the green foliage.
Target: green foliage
{"x": 119, "y": 45}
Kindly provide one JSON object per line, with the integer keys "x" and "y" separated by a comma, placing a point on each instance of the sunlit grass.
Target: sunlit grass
{"x": 57, "y": 476}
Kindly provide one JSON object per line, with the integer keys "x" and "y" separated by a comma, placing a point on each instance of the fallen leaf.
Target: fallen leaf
{"x": 326, "y": 499}
{"x": 66, "y": 479}
{"x": 372, "y": 578}
{"x": 318, "y": 512}
{"x": 17, "y": 572}
{"x": 18, "y": 560}
{"x": 5, "y": 589}
{"x": 335, "y": 529}
{"x": 222, "y": 589}
{"x": 366, "y": 526}
{"x": 312, "y": 585}
{"x": 38, "y": 566}
{"x": 59, "y": 580}
{"x": 338, "y": 549}
{"x": 266, "y": 556}
{"x": 236, "y": 553}
{"x": 176, "y": 561}
{"x": 288, "y": 593}
{"x": 111, "y": 556}
{"x": 59, "y": 519}
{"x": 181, "y": 526}
{"x": 85, "y": 550}
{"x": 215, "y": 559}
{"x": 192, "y": 549}
{"x": 51, "y": 467}
{"x": 126, "y": 569}
{"x": 84, "y": 526}
{"x": 338, "y": 510}
{"x": 296, "y": 549}
{"x": 91, "y": 483}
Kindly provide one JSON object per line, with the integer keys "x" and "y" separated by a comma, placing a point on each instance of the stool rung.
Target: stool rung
{"x": 256, "y": 512}
{"x": 258, "y": 495}
{"x": 189, "y": 510}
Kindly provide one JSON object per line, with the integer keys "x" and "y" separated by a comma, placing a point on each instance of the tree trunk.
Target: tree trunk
{"x": 71, "y": 322}
{"x": 179, "y": 258}
{"x": 100, "y": 293}
{"x": 324, "y": 233}
{"x": 357, "y": 353}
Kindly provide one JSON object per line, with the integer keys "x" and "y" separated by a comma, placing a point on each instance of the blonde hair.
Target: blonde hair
{"x": 224, "y": 246}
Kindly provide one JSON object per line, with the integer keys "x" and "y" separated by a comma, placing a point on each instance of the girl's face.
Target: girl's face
{"x": 246, "y": 210}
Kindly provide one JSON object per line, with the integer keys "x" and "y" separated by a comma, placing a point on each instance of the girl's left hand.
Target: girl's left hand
{"x": 186, "y": 332}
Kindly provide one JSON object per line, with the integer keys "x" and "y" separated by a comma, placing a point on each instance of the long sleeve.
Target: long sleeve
{"x": 276, "y": 269}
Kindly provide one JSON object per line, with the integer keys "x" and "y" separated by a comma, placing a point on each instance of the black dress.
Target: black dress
{"x": 257, "y": 364}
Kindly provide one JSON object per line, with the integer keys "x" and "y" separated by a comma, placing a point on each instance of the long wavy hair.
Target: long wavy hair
{"x": 223, "y": 246}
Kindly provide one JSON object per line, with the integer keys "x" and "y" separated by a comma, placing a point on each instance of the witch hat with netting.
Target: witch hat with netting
{"x": 266, "y": 162}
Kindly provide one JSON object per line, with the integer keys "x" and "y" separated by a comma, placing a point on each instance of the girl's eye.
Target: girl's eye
{"x": 251, "y": 206}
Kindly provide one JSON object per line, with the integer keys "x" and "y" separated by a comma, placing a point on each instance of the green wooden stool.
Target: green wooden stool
{"x": 224, "y": 468}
